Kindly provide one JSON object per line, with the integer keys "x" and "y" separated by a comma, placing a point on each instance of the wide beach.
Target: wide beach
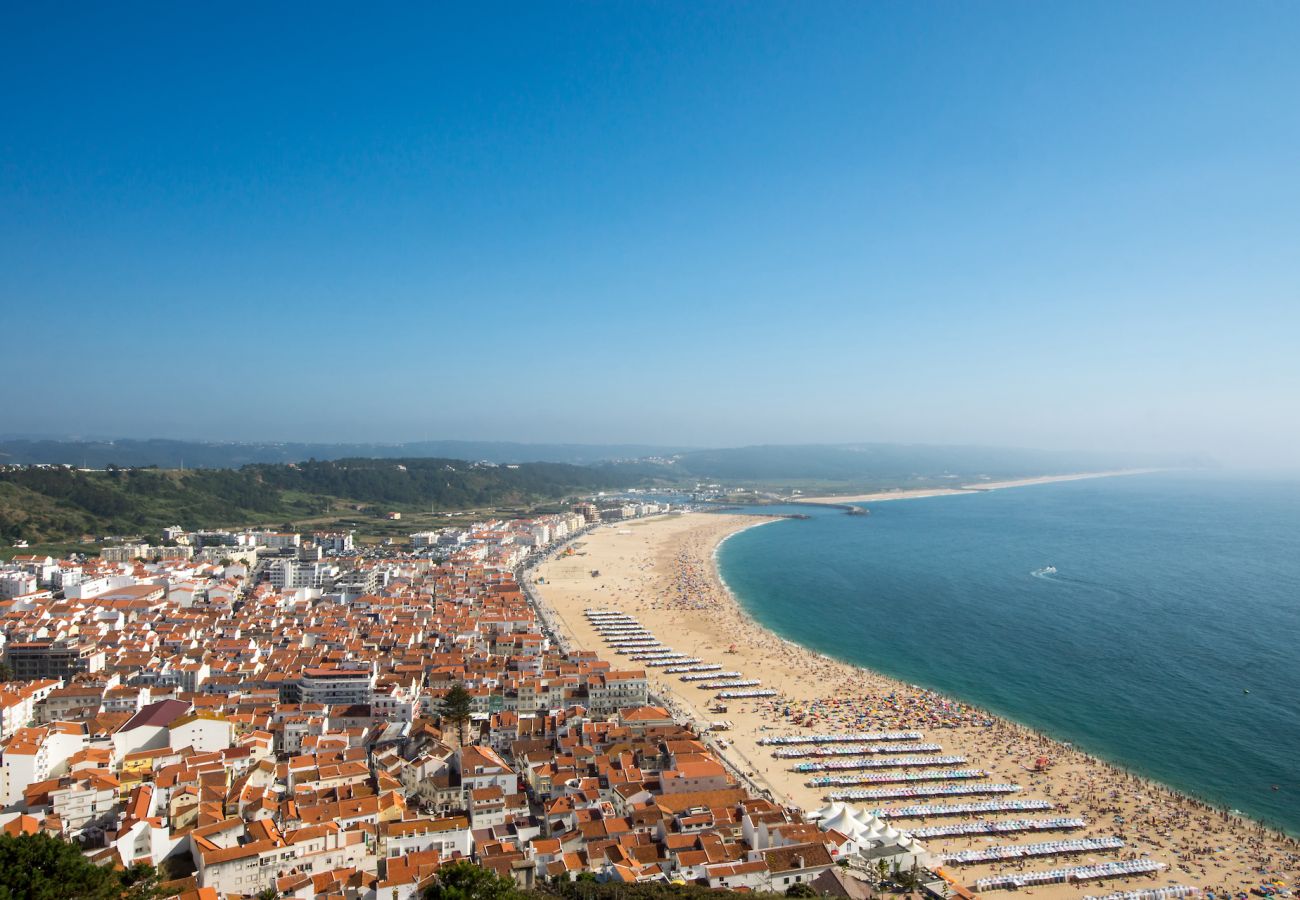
{"x": 662, "y": 572}
{"x": 917, "y": 493}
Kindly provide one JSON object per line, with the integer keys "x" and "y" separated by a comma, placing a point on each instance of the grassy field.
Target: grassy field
{"x": 56, "y": 550}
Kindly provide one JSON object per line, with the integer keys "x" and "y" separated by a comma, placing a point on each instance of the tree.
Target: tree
{"x": 800, "y": 889}
{"x": 909, "y": 879}
{"x": 40, "y": 867}
{"x": 268, "y": 894}
{"x": 456, "y": 708}
{"x": 462, "y": 880}
{"x": 140, "y": 881}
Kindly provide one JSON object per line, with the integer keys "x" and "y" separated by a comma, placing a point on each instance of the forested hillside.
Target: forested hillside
{"x": 56, "y": 503}
{"x": 449, "y": 483}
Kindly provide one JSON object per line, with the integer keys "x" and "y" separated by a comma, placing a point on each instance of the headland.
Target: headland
{"x": 973, "y": 487}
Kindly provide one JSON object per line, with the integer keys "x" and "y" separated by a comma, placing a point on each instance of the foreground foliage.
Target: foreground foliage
{"x": 39, "y": 867}
{"x": 464, "y": 880}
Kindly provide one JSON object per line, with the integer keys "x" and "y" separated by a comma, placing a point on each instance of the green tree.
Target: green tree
{"x": 140, "y": 881}
{"x": 268, "y": 894}
{"x": 908, "y": 879}
{"x": 456, "y": 708}
{"x": 462, "y": 880}
{"x": 39, "y": 867}
{"x": 800, "y": 889}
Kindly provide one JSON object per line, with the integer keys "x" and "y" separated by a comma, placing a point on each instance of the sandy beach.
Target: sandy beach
{"x": 975, "y": 486}
{"x": 662, "y": 572}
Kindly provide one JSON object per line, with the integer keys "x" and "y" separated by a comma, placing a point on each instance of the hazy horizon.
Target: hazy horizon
{"x": 1053, "y": 227}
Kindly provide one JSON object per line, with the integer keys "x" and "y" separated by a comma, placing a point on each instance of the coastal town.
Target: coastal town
{"x": 650, "y": 451}
{"x": 565, "y": 696}
{"x": 248, "y": 711}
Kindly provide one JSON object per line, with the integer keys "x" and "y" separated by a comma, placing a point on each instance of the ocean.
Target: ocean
{"x": 1151, "y": 620}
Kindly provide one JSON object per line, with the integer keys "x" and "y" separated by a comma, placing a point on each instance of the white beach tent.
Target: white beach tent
{"x": 846, "y": 825}
{"x": 829, "y": 811}
{"x": 864, "y": 817}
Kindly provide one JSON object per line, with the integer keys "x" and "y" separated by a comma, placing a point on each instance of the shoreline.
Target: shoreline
{"x": 666, "y": 574}
{"x": 1188, "y": 793}
{"x": 972, "y": 488}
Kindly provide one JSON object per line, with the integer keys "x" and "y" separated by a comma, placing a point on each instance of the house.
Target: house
{"x": 204, "y": 731}
{"x": 795, "y": 864}
{"x": 451, "y": 837}
{"x": 149, "y": 728}
{"x": 482, "y": 767}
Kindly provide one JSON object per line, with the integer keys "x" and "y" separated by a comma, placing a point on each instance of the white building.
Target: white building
{"x": 336, "y": 686}
{"x": 204, "y": 732}
{"x": 290, "y": 574}
{"x": 15, "y": 583}
{"x": 148, "y": 729}
{"x": 279, "y": 540}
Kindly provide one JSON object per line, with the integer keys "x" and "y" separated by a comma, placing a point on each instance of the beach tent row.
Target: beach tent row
{"x": 1049, "y": 848}
{"x": 854, "y": 750}
{"x": 1171, "y": 892}
{"x": 738, "y": 683}
{"x": 990, "y": 826}
{"x": 844, "y": 737}
{"x": 898, "y": 777}
{"x": 925, "y": 811}
{"x": 1074, "y": 873}
{"x": 897, "y": 762}
{"x": 627, "y": 638}
{"x": 947, "y": 790}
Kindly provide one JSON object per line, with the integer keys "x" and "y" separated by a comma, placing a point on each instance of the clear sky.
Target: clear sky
{"x": 1056, "y": 225}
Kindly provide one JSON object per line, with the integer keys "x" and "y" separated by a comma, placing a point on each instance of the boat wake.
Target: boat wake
{"x": 1045, "y": 572}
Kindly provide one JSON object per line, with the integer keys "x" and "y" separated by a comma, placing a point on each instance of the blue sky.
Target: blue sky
{"x": 1047, "y": 225}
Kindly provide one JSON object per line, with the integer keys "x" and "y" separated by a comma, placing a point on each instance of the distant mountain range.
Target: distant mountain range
{"x": 171, "y": 454}
{"x": 850, "y": 465}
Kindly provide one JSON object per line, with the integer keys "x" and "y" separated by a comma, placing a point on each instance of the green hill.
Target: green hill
{"x": 43, "y": 504}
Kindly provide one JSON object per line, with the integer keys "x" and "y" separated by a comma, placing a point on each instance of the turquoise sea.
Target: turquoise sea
{"x": 1165, "y": 640}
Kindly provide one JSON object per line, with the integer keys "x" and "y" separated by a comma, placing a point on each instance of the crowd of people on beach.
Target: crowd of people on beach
{"x": 1203, "y": 845}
